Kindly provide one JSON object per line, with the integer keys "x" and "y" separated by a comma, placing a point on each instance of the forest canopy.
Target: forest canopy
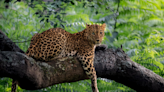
{"x": 137, "y": 25}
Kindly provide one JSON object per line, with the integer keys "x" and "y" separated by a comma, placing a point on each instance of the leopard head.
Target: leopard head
{"x": 95, "y": 33}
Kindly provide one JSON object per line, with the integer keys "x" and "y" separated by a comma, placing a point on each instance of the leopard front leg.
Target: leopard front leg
{"x": 88, "y": 66}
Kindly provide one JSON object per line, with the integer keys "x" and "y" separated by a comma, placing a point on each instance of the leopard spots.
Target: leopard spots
{"x": 57, "y": 42}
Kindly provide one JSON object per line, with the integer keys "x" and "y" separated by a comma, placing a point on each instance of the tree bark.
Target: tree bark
{"x": 111, "y": 63}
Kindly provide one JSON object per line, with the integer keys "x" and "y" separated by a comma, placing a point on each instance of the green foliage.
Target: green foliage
{"x": 19, "y": 23}
{"x": 137, "y": 25}
{"x": 140, "y": 28}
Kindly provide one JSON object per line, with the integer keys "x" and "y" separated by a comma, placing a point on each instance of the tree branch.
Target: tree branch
{"x": 109, "y": 63}
{"x": 39, "y": 74}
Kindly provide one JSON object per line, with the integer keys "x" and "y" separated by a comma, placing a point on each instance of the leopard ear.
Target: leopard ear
{"x": 87, "y": 25}
{"x": 103, "y": 25}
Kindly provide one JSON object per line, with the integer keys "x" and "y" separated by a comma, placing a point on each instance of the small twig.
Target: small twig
{"x": 23, "y": 41}
{"x": 3, "y": 17}
{"x": 117, "y": 11}
{"x": 40, "y": 28}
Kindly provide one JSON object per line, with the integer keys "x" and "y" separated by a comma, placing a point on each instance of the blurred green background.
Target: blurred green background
{"x": 137, "y": 25}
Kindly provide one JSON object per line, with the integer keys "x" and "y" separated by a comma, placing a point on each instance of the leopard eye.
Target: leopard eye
{"x": 100, "y": 32}
{"x": 93, "y": 33}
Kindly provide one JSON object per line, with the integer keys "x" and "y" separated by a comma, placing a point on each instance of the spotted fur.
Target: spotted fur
{"x": 57, "y": 42}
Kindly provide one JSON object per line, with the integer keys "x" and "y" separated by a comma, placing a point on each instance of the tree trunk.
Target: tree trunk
{"x": 111, "y": 63}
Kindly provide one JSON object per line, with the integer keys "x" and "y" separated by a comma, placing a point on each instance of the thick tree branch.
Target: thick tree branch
{"x": 109, "y": 63}
{"x": 39, "y": 74}
{"x": 116, "y": 65}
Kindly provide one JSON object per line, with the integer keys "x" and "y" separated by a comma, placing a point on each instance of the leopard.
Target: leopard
{"x": 56, "y": 42}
